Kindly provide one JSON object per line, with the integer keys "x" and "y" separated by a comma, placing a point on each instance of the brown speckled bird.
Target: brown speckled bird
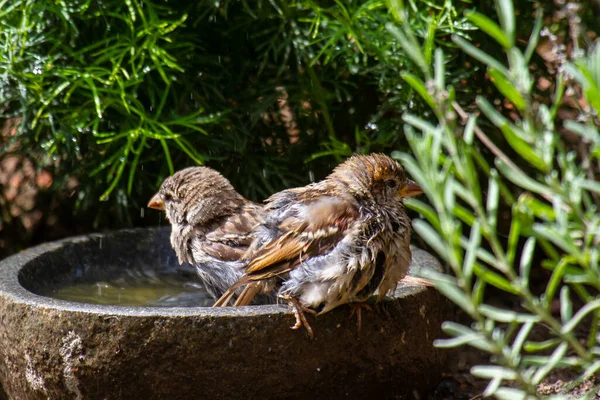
{"x": 334, "y": 242}
{"x": 211, "y": 224}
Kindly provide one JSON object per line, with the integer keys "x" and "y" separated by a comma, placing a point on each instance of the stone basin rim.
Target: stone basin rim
{"x": 11, "y": 288}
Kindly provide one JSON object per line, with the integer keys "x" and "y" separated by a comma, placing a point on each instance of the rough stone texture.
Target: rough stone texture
{"x": 63, "y": 350}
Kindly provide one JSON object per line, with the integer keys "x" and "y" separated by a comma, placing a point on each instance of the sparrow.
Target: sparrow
{"x": 333, "y": 242}
{"x": 211, "y": 224}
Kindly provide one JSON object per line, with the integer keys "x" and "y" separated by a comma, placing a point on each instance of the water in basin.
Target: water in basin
{"x": 136, "y": 289}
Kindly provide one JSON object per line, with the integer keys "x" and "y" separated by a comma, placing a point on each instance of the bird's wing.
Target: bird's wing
{"x": 230, "y": 237}
{"x": 313, "y": 229}
{"x": 306, "y": 229}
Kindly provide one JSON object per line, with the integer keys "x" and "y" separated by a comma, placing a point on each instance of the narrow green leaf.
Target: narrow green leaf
{"x": 532, "y": 347}
{"x": 535, "y": 35}
{"x": 492, "y": 371}
{"x": 502, "y": 315}
{"x": 420, "y": 88}
{"x": 425, "y": 210}
{"x": 521, "y": 180}
{"x": 543, "y": 360}
{"x": 492, "y": 199}
{"x": 517, "y": 345}
{"x": 562, "y": 240}
{"x": 587, "y": 184}
{"x": 450, "y": 289}
{"x": 490, "y": 27}
{"x": 429, "y": 43}
{"x": 513, "y": 238}
{"x": 557, "y": 355}
{"x": 527, "y": 203}
{"x": 419, "y": 123}
{"x": 506, "y": 87}
{"x": 526, "y": 259}
{"x": 523, "y": 148}
{"x": 566, "y": 306}
{"x": 492, "y": 386}
{"x": 471, "y": 254}
{"x": 433, "y": 239}
{"x": 588, "y": 131}
{"x": 479, "y": 54}
{"x": 477, "y": 340}
{"x": 555, "y": 280}
{"x": 578, "y": 317}
{"x": 470, "y": 130}
{"x": 189, "y": 150}
{"x": 410, "y": 47}
{"x": 47, "y": 101}
{"x": 94, "y": 90}
{"x": 506, "y": 13}
{"x": 455, "y": 341}
{"x": 478, "y": 291}
{"x": 121, "y": 167}
{"x": 505, "y": 393}
{"x": 165, "y": 147}
{"x": 494, "y": 278}
{"x": 440, "y": 68}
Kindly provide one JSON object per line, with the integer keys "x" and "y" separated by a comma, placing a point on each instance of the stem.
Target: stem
{"x": 486, "y": 141}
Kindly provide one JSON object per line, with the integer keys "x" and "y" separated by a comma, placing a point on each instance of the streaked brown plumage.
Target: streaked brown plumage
{"x": 334, "y": 242}
{"x": 211, "y": 224}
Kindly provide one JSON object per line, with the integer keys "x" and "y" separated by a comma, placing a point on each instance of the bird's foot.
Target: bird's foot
{"x": 356, "y": 308}
{"x": 299, "y": 313}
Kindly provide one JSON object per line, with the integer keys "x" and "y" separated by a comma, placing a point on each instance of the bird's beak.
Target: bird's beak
{"x": 156, "y": 203}
{"x": 411, "y": 189}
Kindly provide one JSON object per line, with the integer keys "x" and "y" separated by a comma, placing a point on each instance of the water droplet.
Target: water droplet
{"x": 142, "y": 212}
{"x": 311, "y": 176}
{"x": 37, "y": 69}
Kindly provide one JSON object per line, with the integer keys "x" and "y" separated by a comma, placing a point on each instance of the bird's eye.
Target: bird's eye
{"x": 391, "y": 184}
{"x": 168, "y": 197}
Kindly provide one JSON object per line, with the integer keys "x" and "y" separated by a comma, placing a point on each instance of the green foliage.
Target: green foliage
{"x": 120, "y": 94}
{"x": 494, "y": 221}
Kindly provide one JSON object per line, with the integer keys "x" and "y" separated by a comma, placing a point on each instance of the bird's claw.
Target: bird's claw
{"x": 356, "y": 308}
{"x": 299, "y": 313}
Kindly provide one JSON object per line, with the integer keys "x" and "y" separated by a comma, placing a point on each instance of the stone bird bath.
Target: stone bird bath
{"x": 57, "y": 349}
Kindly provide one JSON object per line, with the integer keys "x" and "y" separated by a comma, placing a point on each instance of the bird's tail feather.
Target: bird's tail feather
{"x": 248, "y": 294}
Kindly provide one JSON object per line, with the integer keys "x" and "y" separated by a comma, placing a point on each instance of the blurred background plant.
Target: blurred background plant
{"x": 494, "y": 110}
{"x": 513, "y": 188}
{"x": 100, "y": 100}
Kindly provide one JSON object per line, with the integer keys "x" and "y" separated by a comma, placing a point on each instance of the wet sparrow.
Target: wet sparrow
{"x": 211, "y": 224}
{"x": 334, "y": 242}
